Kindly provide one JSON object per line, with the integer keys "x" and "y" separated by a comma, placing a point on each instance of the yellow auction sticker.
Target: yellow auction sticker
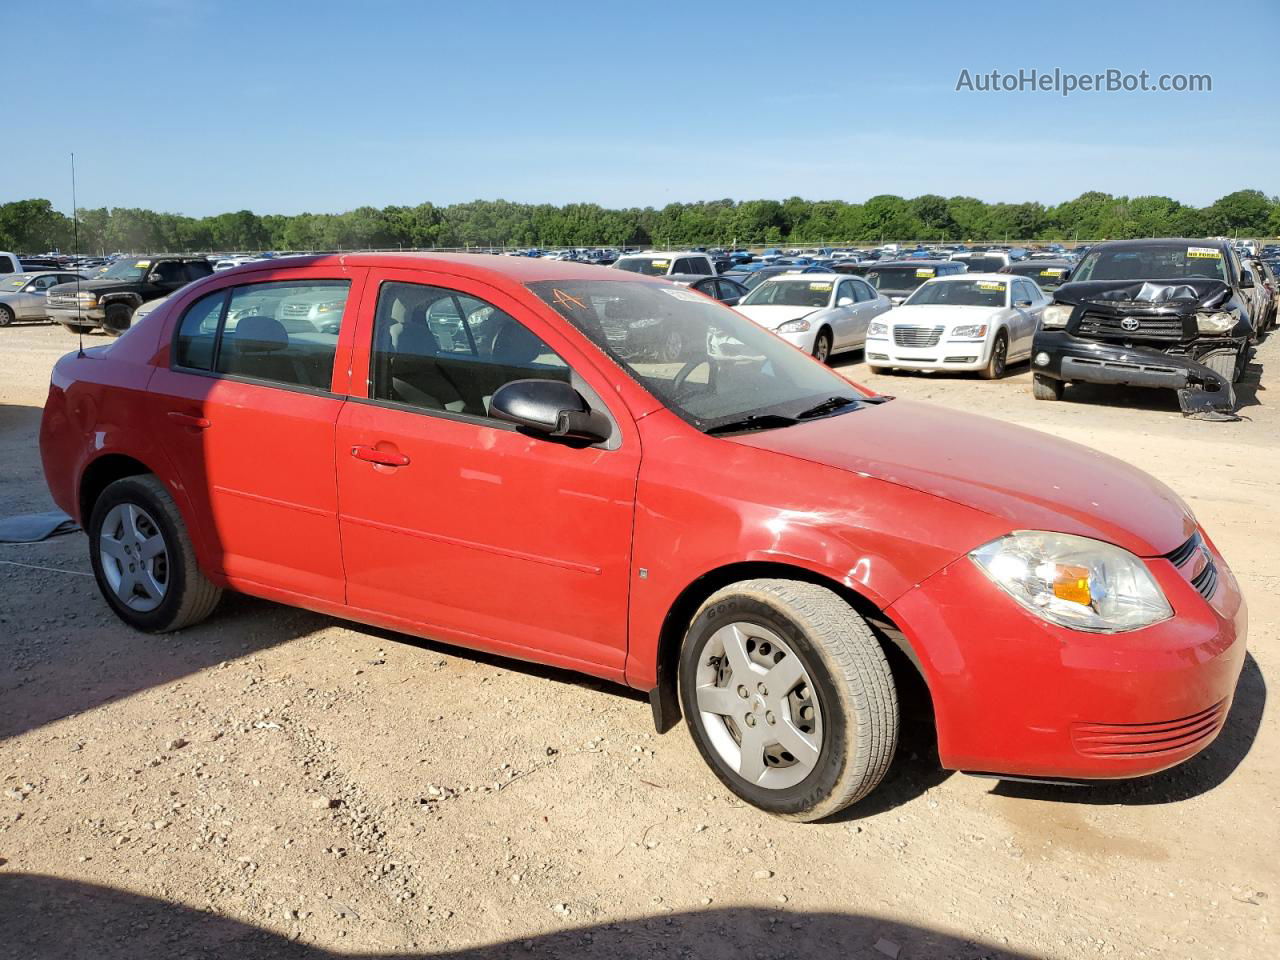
{"x": 1203, "y": 253}
{"x": 1052, "y": 272}
{"x": 990, "y": 285}
{"x": 820, "y": 285}
{"x": 925, "y": 272}
{"x": 661, "y": 263}
{"x": 142, "y": 264}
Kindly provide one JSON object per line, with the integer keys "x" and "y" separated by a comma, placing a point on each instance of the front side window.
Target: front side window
{"x": 283, "y": 332}
{"x": 709, "y": 365}
{"x": 441, "y": 349}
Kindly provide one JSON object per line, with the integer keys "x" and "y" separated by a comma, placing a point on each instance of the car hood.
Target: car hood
{"x": 933, "y": 314}
{"x": 771, "y": 317}
{"x": 1177, "y": 296}
{"x": 105, "y": 285}
{"x": 1030, "y": 479}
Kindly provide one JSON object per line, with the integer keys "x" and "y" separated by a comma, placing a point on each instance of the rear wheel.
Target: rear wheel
{"x": 1046, "y": 388}
{"x": 789, "y": 697}
{"x": 143, "y": 559}
{"x": 117, "y": 320}
{"x": 6, "y": 315}
{"x": 999, "y": 358}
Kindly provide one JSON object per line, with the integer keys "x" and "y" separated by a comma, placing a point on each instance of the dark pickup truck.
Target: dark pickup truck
{"x": 110, "y": 297}
{"x": 1150, "y": 313}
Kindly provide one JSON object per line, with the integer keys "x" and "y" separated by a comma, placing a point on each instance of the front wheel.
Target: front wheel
{"x": 822, "y": 346}
{"x": 1046, "y": 388}
{"x": 117, "y": 319}
{"x": 6, "y": 315}
{"x": 789, "y": 697}
{"x": 999, "y": 358}
{"x": 143, "y": 559}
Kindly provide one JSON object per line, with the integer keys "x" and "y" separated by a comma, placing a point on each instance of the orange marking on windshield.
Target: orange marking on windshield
{"x": 563, "y": 299}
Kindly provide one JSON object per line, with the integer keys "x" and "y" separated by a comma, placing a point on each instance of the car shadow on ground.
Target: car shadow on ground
{"x": 51, "y": 918}
{"x": 1199, "y": 775}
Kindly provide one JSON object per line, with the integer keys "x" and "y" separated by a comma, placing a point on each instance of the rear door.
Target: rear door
{"x": 459, "y": 525}
{"x": 248, "y": 408}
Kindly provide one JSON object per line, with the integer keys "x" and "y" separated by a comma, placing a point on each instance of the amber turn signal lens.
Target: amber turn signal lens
{"x": 1072, "y": 583}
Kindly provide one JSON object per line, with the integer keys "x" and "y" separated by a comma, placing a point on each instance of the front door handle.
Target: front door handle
{"x": 384, "y": 458}
{"x": 189, "y": 420}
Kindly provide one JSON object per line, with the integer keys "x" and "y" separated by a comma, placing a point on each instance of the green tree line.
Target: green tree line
{"x": 29, "y": 226}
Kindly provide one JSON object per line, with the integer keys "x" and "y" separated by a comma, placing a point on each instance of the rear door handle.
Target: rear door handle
{"x": 385, "y": 458}
{"x": 189, "y": 420}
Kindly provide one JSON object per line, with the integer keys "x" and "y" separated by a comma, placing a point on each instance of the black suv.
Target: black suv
{"x": 1150, "y": 313}
{"x": 114, "y": 293}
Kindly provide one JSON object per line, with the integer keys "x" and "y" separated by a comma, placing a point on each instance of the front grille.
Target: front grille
{"x": 1095, "y": 324}
{"x": 295, "y": 310}
{"x": 1124, "y": 740}
{"x": 907, "y": 335}
{"x": 61, "y": 300}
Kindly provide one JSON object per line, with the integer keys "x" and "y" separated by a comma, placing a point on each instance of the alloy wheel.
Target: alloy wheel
{"x": 134, "y": 557}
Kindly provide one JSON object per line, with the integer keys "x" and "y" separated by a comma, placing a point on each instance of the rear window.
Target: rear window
{"x": 649, "y": 266}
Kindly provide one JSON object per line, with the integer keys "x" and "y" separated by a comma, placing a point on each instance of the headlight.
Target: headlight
{"x": 1220, "y": 322}
{"x": 970, "y": 330}
{"x": 1056, "y": 315}
{"x": 1074, "y": 581}
{"x": 798, "y": 325}
{"x": 328, "y": 306}
{"x": 87, "y": 299}
{"x": 878, "y": 329}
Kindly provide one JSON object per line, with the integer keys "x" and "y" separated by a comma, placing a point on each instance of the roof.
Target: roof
{"x": 991, "y": 276}
{"x": 1047, "y": 263}
{"x": 670, "y": 254}
{"x": 476, "y": 265}
{"x": 906, "y": 263}
{"x": 1162, "y": 241}
{"x": 801, "y": 275}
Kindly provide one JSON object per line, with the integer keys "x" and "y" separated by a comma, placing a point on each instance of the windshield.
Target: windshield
{"x": 981, "y": 264}
{"x": 15, "y": 281}
{"x": 1165, "y": 261}
{"x": 124, "y": 270}
{"x": 649, "y": 266}
{"x": 706, "y": 363}
{"x": 790, "y": 293}
{"x": 899, "y": 279}
{"x": 960, "y": 293}
{"x": 1047, "y": 277}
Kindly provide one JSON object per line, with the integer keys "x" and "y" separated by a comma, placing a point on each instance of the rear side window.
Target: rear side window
{"x": 700, "y": 265}
{"x": 284, "y": 332}
{"x": 7, "y": 265}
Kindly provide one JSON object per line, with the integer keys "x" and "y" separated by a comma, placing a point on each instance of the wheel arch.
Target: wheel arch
{"x": 664, "y": 698}
{"x": 100, "y": 474}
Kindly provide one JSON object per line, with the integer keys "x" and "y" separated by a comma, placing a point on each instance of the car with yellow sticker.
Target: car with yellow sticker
{"x": 821, "y": 313}
{"x": 1046, "y": 274}
{"x": 111, "y": 297}
{"x": 1167, "y": 313}
{"x": 977, "y": 322}
{"x": 662, "y": 263}
{"x": 898, "y": 279}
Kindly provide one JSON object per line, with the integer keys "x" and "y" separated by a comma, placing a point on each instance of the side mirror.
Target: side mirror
{"x": 845, "y": 302}
{"x": 1246, "y": 280}
{"x": 551, "y": 408}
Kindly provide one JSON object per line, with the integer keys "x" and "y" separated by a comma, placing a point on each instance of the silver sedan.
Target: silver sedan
{"x": 22, "y": 295}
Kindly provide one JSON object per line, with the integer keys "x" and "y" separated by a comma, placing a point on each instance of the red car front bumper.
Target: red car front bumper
{"x": 1017, "y": 695}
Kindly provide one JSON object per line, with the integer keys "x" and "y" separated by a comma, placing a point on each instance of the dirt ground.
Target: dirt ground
{"x": 278, "y": 783}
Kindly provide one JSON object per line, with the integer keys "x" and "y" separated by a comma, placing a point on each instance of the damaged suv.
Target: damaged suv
{"x": 1150, "y": 313}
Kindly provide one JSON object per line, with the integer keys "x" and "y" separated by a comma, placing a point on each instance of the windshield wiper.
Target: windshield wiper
{"x": 830, "y": 405}
{"x": 756, "y": 421}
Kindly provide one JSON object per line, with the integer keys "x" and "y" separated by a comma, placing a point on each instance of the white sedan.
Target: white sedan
{"x": 970, "y": 321}
{"x": 822, "y": 313}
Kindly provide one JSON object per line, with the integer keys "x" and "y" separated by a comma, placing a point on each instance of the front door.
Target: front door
{"x": 456, "y": 523}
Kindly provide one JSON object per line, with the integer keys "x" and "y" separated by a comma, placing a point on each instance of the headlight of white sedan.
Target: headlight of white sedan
{"x": 798, "y": 325}
{"x": 1056, "y": 315}
{"x": 970, "y": 331}
{"x": 877, "y": 329}
{"x": 1074, "y": 581}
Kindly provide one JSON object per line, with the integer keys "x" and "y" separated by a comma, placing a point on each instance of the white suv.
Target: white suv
{"x": 661, "y": 263}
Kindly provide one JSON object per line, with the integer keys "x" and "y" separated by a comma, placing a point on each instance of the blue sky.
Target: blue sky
{"x": 198, "y": 106}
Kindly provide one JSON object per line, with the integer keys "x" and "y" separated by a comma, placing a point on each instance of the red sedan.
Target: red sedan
{"x": 609, "y": 473}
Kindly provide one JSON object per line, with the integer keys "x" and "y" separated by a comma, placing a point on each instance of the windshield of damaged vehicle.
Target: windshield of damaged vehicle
{"x": 898, "y": 279}
{"x": 124, "y": 270}
{"x": 983, "y": 264}
{"x": 960, "y": 293}
{"x": 790, "y": 293}
{"x": 1157, "y": 261}
{"x": 707, "y": 364}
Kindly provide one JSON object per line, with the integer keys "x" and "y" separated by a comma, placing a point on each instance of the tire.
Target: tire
{"x": 6, "y": 315}
{"x": 999, "y": 359}
{"x": 843, "y": 681}
{"x": 878, "y": 371}
{"x": 822, "y": 346}
{"x": 81, "y": 327}
{"x": 117, "y": 319}
{"x": 1046, "y": 388}
{"x": 177, "y": 594}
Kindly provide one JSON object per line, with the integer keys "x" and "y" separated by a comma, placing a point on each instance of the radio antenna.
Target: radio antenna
{"x": 75, "y": 232}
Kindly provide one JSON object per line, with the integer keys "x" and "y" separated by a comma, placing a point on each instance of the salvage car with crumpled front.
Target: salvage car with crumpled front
{"x": 1150, "y": 313}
